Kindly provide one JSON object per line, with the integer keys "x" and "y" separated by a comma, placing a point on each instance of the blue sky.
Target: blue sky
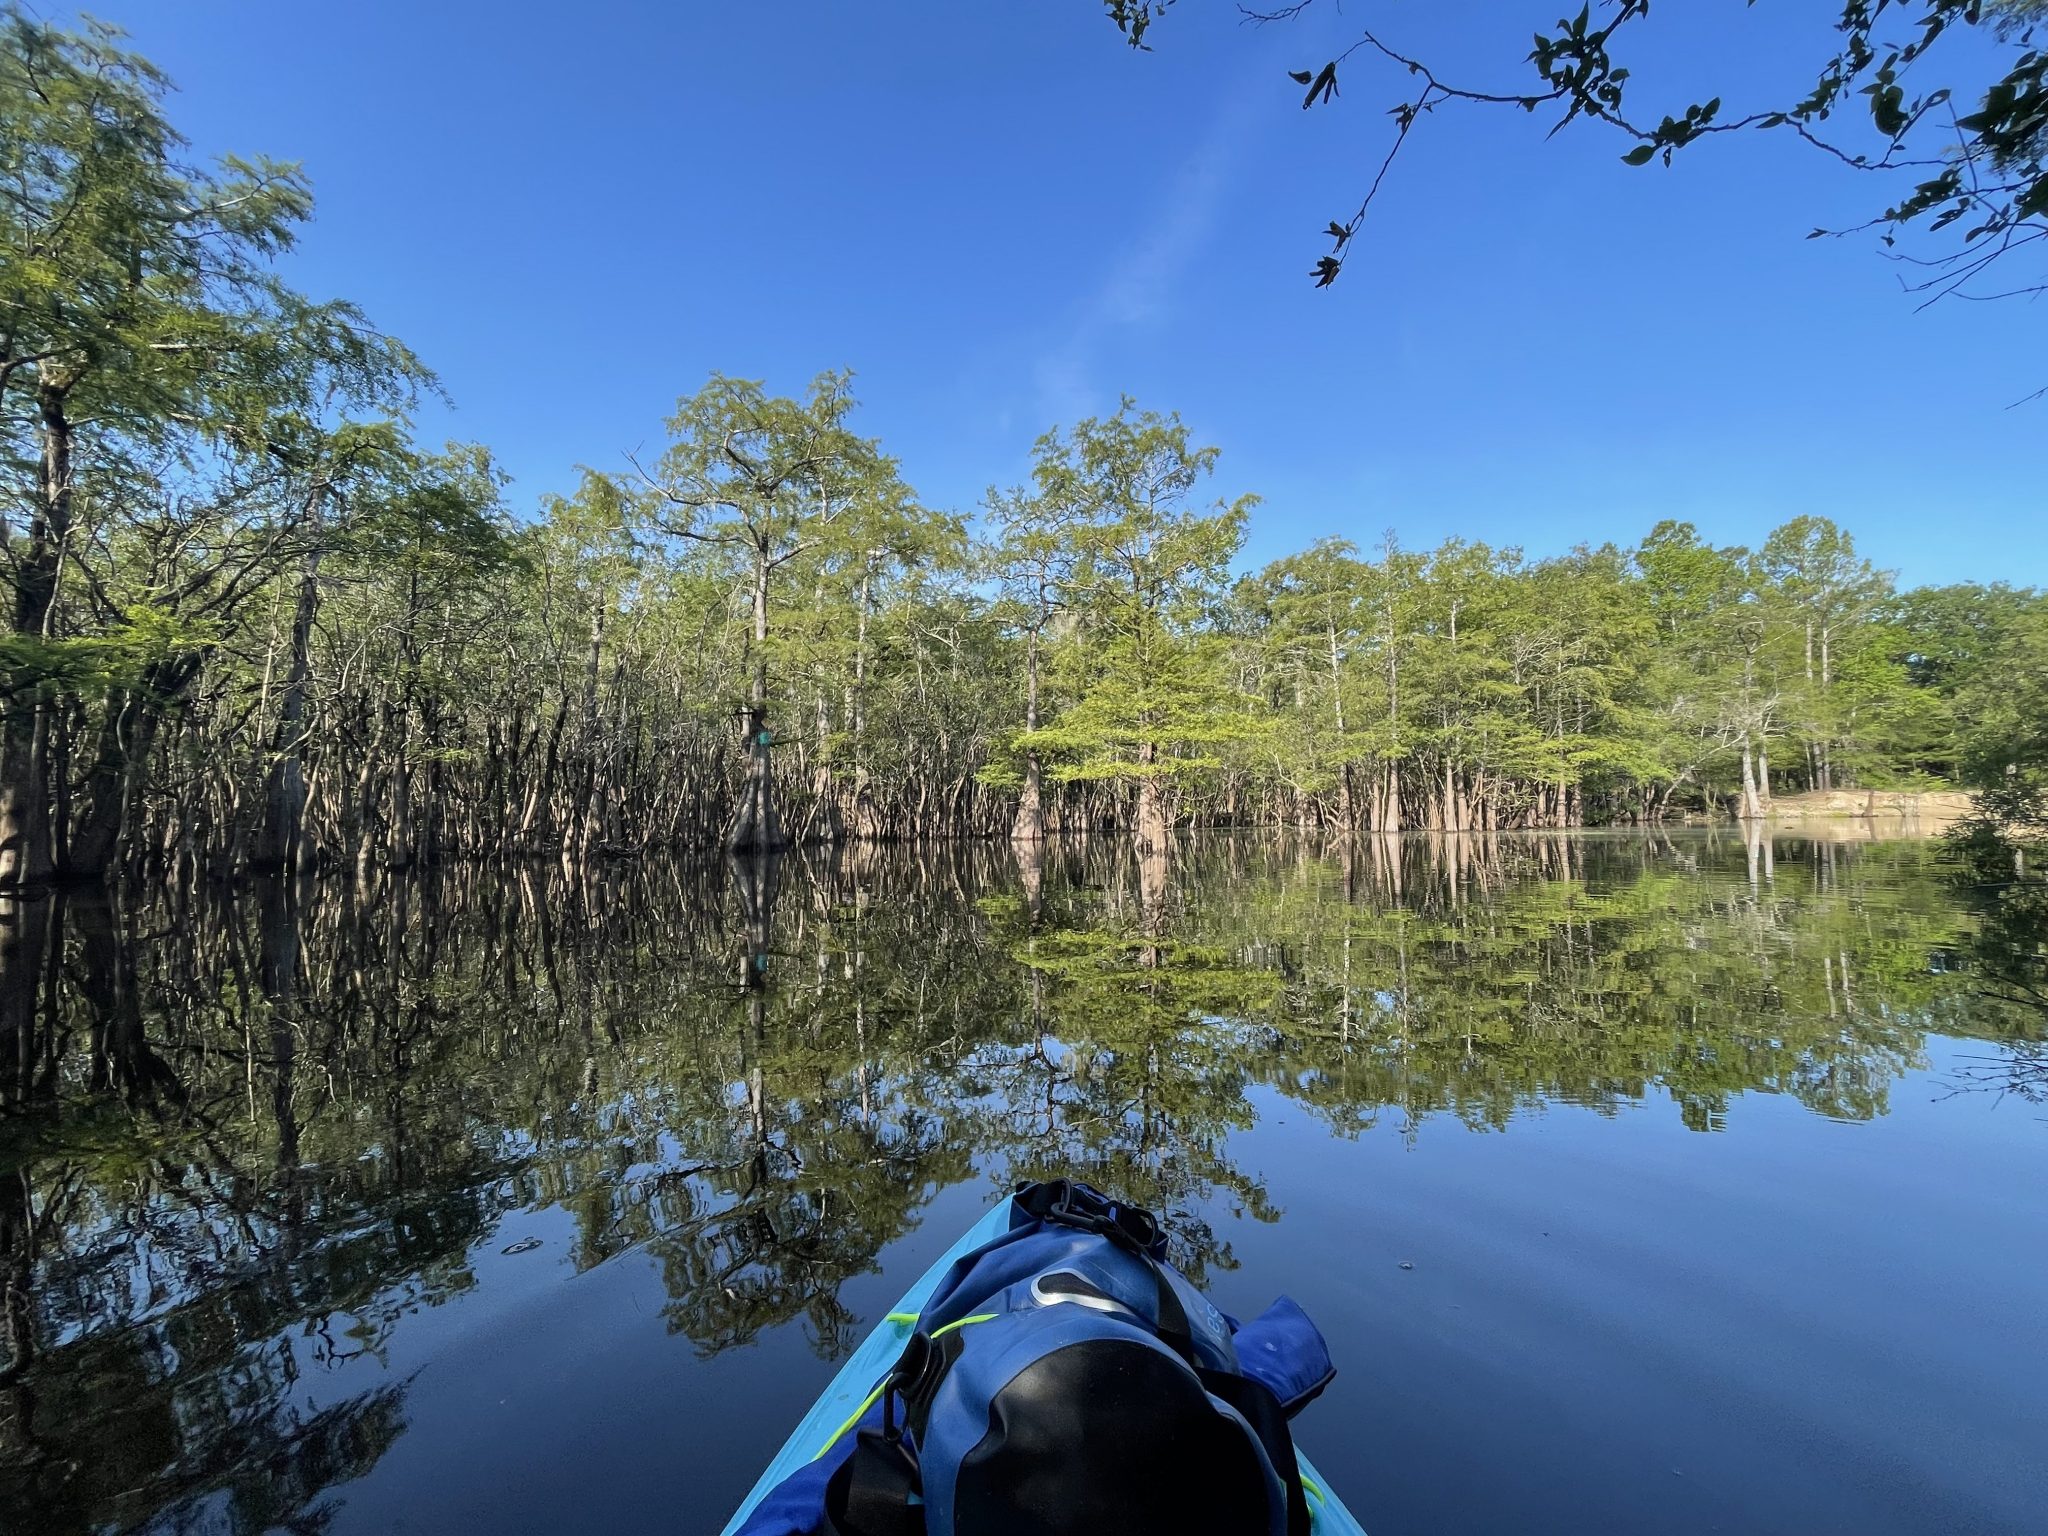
{"x": 1001, "y": 217}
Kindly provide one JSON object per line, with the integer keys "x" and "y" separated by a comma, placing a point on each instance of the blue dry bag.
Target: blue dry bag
{"x": 1064, "y": 1378}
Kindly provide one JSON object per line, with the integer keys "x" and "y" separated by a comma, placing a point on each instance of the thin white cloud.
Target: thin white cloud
{"x": 1137, "y": 290}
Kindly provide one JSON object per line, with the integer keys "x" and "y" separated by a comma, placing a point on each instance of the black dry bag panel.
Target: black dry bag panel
{"x": 1110, "y": 1436}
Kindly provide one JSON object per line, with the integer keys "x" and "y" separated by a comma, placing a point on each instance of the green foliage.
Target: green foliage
{"x": 435, "y": 523}
{"x": 1134, "y": 18}
{"x": 178, "y": 428}
{"x": 139, "y": 287}
{"x": 87, "y": 668}
{"x": 1148, "y": 694}
{"x": 2002, "y": 696}
{"x": 1877, "y": 105}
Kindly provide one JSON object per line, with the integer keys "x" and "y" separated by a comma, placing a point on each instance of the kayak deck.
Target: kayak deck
{"x": 843, "y": 1399}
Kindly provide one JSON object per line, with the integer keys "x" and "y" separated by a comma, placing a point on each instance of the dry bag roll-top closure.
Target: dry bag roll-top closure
{"x": 1064, "y": 1379}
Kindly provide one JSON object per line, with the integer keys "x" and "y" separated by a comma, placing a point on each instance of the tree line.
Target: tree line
{"x": 255, "y": 624}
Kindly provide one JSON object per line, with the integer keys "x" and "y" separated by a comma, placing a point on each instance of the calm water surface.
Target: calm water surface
{"x": 501, "y": 1203}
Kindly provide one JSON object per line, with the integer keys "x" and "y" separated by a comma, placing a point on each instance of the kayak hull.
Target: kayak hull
{"x": 880, "y": 1349}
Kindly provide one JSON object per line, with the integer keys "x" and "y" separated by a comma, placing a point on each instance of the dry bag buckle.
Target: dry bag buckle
{"x": 1072, "y": 1204}
{"x": 906, "y": 1379}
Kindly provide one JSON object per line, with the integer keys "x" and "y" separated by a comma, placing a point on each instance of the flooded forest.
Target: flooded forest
{"x": 421, "y": 898}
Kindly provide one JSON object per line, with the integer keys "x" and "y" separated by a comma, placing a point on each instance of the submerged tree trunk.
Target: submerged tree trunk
{"x": 1148, "y": 826}
{"x": 1030, "y": 854}
{"x": 278, "y": 972}
{"x": 122, "y": 1059}
{"x": 1152, "y": 888}
{"x": 127, "y": 732}
{"x": 27, "y": 929}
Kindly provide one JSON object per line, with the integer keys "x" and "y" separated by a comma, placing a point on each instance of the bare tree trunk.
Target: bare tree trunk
{"x": 106, "y": 791}
{"x": 127, "y": 732}
{"x": 284, "y": 792}
{"x": 27, "y": 848}
{"x": 399, "y": 848}
{"x": 26, "y": 857}
{"x": 754, "y": 827}
{"x": 866, "y": 821}
{"x": 543, "y": 784}
{"x": 1827, "y": 762}
{"x": 822, "y": 822}
{"x": 1347, "y": 810}
{"x": 1393, "y": 801}
{"x": 1029, "y": 825}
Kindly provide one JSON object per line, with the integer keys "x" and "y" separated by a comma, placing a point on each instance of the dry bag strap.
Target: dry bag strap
{"x": 874, "y": 1491}
{"x": 1072, "y": 1204}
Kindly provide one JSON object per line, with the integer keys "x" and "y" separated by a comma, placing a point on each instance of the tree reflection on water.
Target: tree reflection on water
{"x": 243, "y": 1135}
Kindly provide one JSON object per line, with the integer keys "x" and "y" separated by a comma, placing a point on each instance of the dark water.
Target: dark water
{"x": 497, "y": 1203}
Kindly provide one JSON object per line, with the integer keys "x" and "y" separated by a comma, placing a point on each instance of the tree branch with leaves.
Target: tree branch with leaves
{"x": 1880, "y": 104}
